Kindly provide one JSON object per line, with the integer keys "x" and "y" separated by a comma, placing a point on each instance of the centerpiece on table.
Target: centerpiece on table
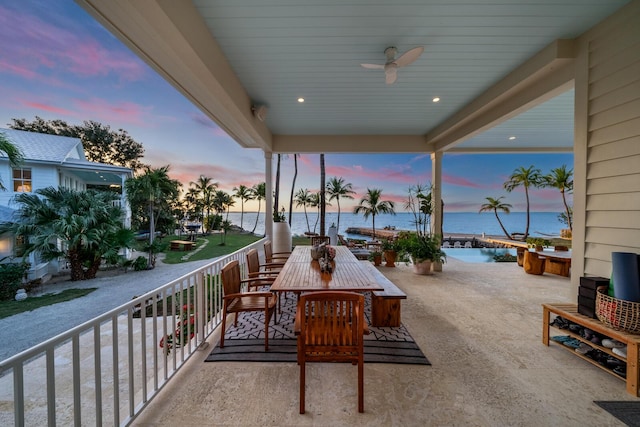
{"x": 325, "y": 255}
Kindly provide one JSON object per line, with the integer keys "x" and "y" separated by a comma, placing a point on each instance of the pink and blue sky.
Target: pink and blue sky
{"x": 57, "y": 62}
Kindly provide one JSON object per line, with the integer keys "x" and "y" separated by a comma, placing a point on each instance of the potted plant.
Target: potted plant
{"x": 375, "y": 256}
{"x": 389, "y": 249}
{"x": 538, "y": 242}
{"x": 422, "y": 250}
{"x": 281, "y": 232}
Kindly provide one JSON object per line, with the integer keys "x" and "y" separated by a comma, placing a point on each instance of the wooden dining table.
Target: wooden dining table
{"x": 301, "y": 273}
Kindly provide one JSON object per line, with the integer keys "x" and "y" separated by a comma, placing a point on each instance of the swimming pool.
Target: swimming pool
{"x": 477, "y": 254}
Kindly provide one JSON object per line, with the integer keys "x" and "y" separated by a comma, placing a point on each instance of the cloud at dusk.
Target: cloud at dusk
{"x": 57, "y": 62}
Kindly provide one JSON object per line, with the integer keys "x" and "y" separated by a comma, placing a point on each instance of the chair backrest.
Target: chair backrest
{"x": 253, "y": 261}
{"x": 318, "y": 240}
{"x": 331, "y": 326}
{"x": 268, "y": 250}
{"x": 468, "y": 245}
{"x": 231, "y": 277}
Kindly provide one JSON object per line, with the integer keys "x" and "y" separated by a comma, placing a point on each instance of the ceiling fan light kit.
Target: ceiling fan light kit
{"x": 391, "y": 66}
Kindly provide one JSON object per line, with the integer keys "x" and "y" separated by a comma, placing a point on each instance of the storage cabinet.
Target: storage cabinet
{"x": 570, "y": 312}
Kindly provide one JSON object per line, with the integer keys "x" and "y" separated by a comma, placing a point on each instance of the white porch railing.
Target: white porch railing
{"x": 105, "y": 371}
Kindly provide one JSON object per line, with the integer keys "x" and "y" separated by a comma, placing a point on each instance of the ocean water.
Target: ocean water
{"x": 542, "y": 223}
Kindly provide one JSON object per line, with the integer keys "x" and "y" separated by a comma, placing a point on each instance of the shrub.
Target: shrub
{"x": 140, "y": 263}
{"x": 11, "y": 275}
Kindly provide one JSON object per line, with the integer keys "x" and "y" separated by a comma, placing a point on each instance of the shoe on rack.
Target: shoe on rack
{"x": 620, "y": 351}
{"x": 610, "y": 343}
{"x": 560, "y": 322}
{"x": 621, "y": 371}
{"x": 584, "y": 348}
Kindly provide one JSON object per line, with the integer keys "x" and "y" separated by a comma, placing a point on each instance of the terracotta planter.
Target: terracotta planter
{"x": 422, "y": 267}
{"x": 377, "y": 260}
{"x": 390, "y": 258}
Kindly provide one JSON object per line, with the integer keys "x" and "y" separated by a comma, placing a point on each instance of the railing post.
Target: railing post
{"x": 200, "y": 306}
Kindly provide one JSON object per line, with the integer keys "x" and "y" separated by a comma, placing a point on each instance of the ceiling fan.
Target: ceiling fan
{"x": 391, "y": 66}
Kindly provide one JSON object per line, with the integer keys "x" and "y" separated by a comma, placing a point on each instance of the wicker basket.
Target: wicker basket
{"x": 618, "y": 314}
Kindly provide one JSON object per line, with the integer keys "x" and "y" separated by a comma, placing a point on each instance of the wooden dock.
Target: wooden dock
{"x": 380, "y": 232}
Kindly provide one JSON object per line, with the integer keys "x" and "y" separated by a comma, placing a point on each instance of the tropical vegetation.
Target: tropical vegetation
{"x": 495, "y": 205}
{"x": 152, "y": 196}
{"x": 11, "y": 151}
{"x": 87, "y": 224}
{"x": 562, "y": 179}
{"x": 243, "y": 193}
{"x": 372, "y": 204}
{"x": 337, "y": 188}
{"x": 524, "y": 177}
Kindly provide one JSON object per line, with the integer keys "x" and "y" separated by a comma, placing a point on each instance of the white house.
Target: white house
{"x": 51, "y": 161}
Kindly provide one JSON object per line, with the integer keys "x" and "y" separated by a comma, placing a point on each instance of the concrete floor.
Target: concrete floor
{"x": 480, "y": 325}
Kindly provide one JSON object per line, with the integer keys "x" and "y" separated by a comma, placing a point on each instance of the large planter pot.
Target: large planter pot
{"x": 390, "y": 258}
{"x": 281, "y": 237}
{"x": 422, "y": 267}
{"x": 377, "y": 259}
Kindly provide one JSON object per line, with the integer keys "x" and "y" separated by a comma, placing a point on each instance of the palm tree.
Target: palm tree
{"x": 336, "y": 188}
{"x": 314, "y": 202}
{"x": 276, "y": 191}
{"x": 154, "y": 190}
{"x": 525, "y": 177}
{"x": 12, "y": 152}
{"x": 496, "y": 205}
{"x": 205, "y": 187}
{"x": 562, "y": 179}
{"x": 86, "y": 222}
{"x": 244, "y": 193}
{"x": 259, "y": 194}
{"x": 304, "y": 198}
{"x": 371, "y": 204}
{"x": 293, "y": 186}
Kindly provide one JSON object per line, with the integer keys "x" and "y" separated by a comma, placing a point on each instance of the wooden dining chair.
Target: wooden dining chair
{"x": 267, "y": 270}
{"x": 330, "y": 327}
{"x": 262, "y": 274}
{"x": 318, "y": 240}
{"x": 236, "y": 301}
{"x": 270, "y": 256}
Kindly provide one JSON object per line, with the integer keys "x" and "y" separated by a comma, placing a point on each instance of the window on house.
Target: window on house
{"x": 20, "y": 247}
{"x": 22, "y": 180}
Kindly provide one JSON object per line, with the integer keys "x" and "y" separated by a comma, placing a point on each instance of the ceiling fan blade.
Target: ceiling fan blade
{"x": 390, "y": 78}
{"x": 373, "y": 66}
{"x": 409, "y": 56}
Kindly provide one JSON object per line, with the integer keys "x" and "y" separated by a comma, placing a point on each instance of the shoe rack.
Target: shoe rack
{"x": 570, "y": 312}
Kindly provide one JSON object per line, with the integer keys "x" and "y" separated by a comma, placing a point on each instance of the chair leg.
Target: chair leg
{"x": 302, "y": 381}
{"x": 360, "y": 386}
{"x": 267, "y": 319}
{"x": 224, "y": 327}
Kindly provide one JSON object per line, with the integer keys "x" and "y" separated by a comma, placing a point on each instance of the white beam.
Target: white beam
{"x": 349, "y": 144}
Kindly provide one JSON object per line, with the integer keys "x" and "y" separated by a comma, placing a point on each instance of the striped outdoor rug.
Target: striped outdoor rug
{"x": 245, "y": 343}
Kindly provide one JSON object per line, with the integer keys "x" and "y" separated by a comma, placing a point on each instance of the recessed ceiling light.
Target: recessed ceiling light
{"x": 511, "y": 138}
{"x": 301, "y": 100}
{"x": 436, "y": 99}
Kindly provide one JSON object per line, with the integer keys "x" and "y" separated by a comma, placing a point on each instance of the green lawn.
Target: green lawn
{"x": 210, "y": 246}
{"x": 9, "y": 308}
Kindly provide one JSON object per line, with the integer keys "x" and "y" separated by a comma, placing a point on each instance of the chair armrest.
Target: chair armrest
{"x": 366, "y": 329}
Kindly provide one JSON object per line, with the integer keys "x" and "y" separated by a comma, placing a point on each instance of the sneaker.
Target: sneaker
{"x": 621, "y": 371}
{"x": 609, "y": 343}
{"x": 620, "y": 351}
{"x": 583, "y": 348}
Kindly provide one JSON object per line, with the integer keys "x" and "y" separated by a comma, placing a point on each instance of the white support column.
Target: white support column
{"x": 268, "y": 192}
{"x": 436, "y": 194}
